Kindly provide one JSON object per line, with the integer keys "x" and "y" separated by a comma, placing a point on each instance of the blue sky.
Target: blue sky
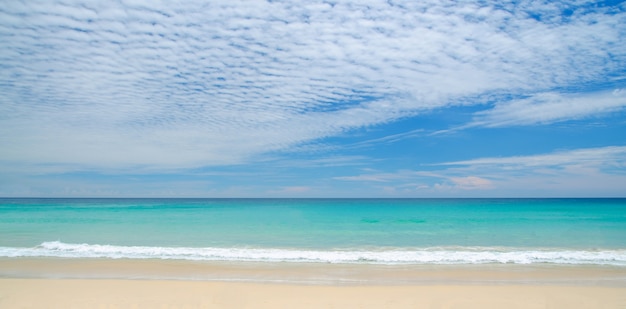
{"x": 313, "y": 98}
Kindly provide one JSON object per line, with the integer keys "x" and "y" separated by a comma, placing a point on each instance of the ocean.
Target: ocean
{"x": 351, "y": 231}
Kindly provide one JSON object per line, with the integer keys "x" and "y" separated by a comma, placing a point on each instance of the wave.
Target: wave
{"x": 434, "y": 255}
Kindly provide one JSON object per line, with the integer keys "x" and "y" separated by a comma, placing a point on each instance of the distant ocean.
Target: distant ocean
{"x": 362, "y": 231}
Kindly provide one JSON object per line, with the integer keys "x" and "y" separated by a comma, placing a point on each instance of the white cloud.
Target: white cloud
{"x": 127, "y": 84}
{"x": 551, "y": 107}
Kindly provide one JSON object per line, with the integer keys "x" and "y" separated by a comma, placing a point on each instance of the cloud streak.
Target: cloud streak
{"x": 614, "y": 156}
{"x": 545, "y": 108}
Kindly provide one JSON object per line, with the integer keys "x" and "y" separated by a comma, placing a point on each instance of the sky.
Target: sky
{"x": 312, "y": 98}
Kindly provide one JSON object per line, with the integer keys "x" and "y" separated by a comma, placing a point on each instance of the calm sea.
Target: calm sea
{"x": 371, "y": 231}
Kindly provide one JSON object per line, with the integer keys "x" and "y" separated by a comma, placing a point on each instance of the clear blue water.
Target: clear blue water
{"x": 578, "y": 231}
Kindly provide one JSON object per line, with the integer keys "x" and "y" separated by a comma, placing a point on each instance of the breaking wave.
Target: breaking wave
{"x": 433, "y": 255}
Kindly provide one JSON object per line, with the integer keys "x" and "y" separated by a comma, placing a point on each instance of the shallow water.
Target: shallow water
{"x": 379, "y": 231}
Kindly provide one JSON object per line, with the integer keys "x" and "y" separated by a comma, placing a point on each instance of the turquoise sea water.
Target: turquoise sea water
{"x": 379, "y": 231}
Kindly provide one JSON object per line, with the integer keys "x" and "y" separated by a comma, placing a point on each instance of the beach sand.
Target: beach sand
{"x": 92, "y": 293}
{"x": 72, "y": 283}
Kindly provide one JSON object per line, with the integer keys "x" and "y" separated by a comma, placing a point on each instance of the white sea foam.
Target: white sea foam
{"x": 435, "y": 255}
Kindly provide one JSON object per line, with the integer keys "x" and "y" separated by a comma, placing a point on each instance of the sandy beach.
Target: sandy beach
{"x": 75, "y": 293}
{"x": 84, "y": 283}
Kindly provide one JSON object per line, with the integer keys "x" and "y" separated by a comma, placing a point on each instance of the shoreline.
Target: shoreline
{"x": 312, "y": 273}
